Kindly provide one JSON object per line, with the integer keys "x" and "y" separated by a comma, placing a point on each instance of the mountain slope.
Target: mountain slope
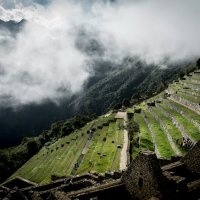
{"x": 132, "y": 77}
{"x": 109, "y": 84}
{"x": 167, "y": 124}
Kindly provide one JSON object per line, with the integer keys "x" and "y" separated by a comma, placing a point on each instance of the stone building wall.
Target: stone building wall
{"x": 192, "y": 159}
{"x": 143, "y": 178}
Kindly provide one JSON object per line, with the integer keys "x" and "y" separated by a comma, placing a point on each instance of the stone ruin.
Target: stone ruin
{"x": 152, "y": 104}
{"x": 144, "y": 179}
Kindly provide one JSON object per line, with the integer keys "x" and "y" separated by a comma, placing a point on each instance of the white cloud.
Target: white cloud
{"x": 43, "y": 62}
{"x": 152, "y": 29}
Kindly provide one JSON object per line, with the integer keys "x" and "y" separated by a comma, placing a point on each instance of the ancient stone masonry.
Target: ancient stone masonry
{"x": 193, "y": 87}
{"x": 177, "y": 124}
{"x": 143, "y": 180}
{"x": 59, "y": 195}
{"x": 192, "y": 159}
{"x": 193, "y": 80}
{"x": 185, "y": 89}
{"x": 151, "y": 103}
{"x": 178, "y": 180}
{"x": 20, "y": 182}
{"x": 187, "y": 92}
{"x": 191, "y": 93}
{"x": 187, "y": 95}
{"x": 195, "y": 123}
{"x": 186, "y": 102}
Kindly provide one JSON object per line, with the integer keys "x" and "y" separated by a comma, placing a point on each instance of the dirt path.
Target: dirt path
{"x": 124, "y": 159}
{"x": 121, "y": 115}
{"x": 124, "y": 155}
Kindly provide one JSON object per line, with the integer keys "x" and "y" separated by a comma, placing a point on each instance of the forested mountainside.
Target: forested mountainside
{"x": 157, "y": 124}
{"x": 130, "y": 78}
{"x": 106, "y": 87}
{"x": 167, "y": 123}
{"x": 109, "y": 83}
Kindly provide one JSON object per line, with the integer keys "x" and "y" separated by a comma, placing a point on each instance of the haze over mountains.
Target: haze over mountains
{"x": 69, "y": 57}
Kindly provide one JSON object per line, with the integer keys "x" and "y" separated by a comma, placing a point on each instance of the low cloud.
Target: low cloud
{"x": 50, "y": 58}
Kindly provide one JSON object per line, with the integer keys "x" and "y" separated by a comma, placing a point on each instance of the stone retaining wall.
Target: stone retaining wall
{"x": 192, "y": 159}
{"x": 186, "y": 102}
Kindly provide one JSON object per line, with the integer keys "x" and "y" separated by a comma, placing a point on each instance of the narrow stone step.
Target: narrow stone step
{"x": 172, "y": 165}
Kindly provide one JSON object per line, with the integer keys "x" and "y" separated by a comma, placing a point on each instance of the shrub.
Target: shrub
{"x": 126, "y": 102}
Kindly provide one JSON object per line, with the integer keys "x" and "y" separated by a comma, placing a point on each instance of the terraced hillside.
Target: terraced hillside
{"x": 169, "y": 123}
{"x": 95, "y": 147}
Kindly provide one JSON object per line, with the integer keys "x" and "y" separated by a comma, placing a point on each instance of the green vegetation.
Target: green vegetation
{"x": 146, "y": 142}
{"x": 163, "y": 144}
{"x": 78, "y": 146}
{"x": 188, "y": 126}
{"x": 130, "y": 110}
{"x": 188, "y": 119}
{"x": 60, "y": 157}
{"x": 13, "y": 158}
{"x": 188, "y": 97}
{"x": 103, "y": 154}
{"x": 173, "y": 130}
{"x": 193, "y": 115}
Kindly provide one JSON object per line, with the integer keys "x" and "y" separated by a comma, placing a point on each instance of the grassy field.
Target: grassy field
{"x": 61, "y": 157}
{"x": 104, "y": 155}
{"x": 193, "y": 115}
{"x": 173, "y": 130}
{"x": 146, "y": 142}
{"x": 58, "y": 158}
{"x": 162, "y": 142}
{"x": 188, "y": 97}
{"x": 187, "y": 118}
{"x": 188, "y": 126}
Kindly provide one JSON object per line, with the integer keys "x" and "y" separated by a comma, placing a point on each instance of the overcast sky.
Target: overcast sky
{"x": 45, "y": 62}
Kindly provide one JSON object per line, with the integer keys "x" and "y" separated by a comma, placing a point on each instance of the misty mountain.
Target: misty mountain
{"x": 102, "y": 91}
{"x": 109, "y": 83}
{"x": 132, "y": 78}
